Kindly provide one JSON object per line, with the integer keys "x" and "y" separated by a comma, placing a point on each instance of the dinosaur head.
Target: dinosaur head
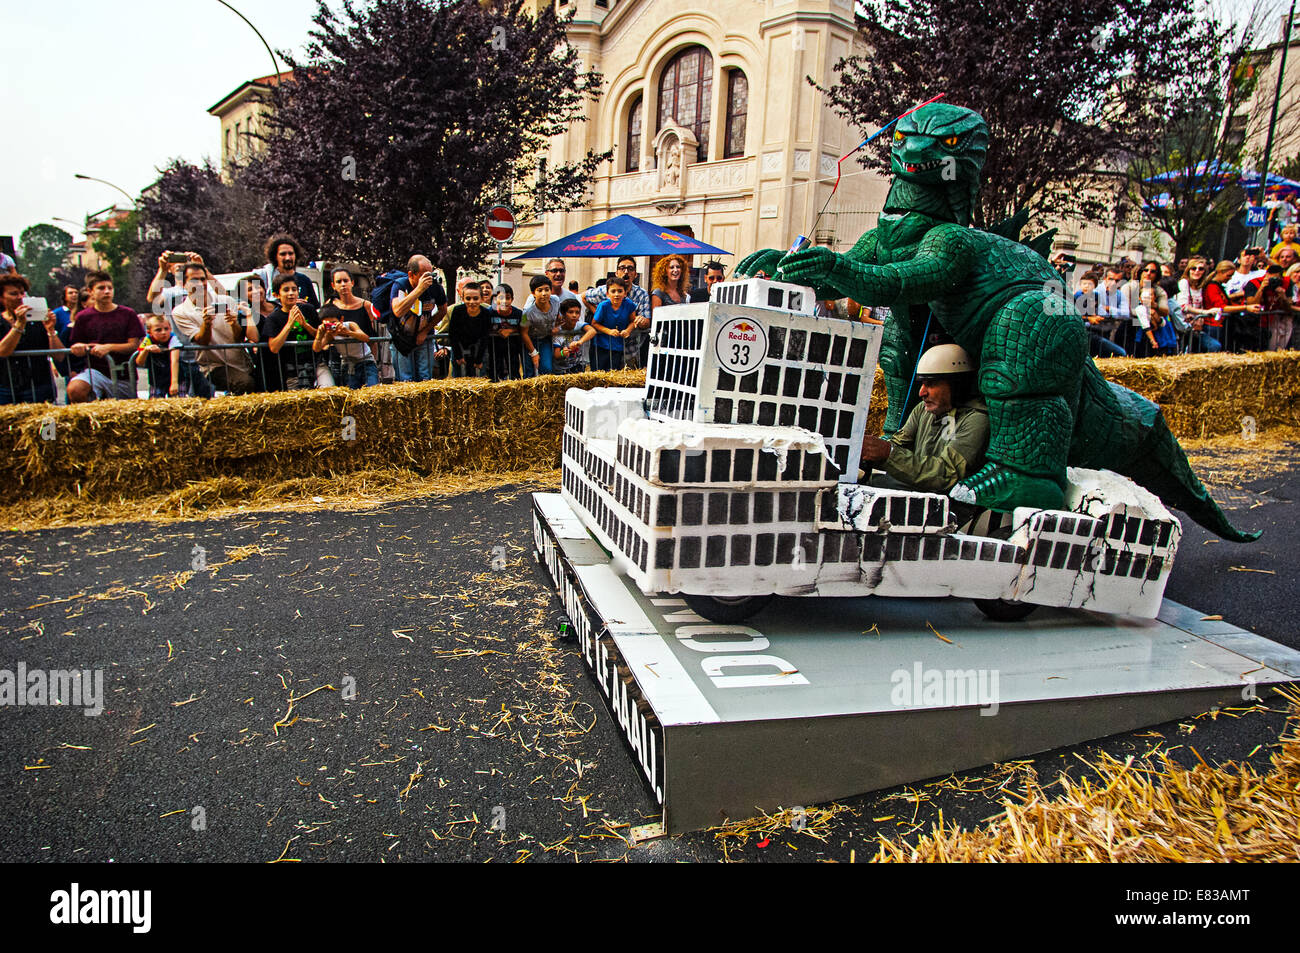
{"x": 941, "y": 146}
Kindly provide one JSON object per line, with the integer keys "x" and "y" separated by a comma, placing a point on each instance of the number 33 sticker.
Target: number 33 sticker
{"x": 741, "y": 345}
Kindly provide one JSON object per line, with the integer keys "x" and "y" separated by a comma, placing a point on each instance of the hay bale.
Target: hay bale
{"x": 1207, "y": 395}
{"x": 131, "y": 450}
{"x": 1201, "y": 395}
{"x": 122, "y": 450}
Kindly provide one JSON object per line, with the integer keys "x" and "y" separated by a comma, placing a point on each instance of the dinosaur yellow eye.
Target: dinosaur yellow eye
{"x": 950, "y": 141}
{"x": 898, "y": 136}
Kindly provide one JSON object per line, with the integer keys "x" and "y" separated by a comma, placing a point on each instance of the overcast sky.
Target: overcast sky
{"x": 115, "y": 89}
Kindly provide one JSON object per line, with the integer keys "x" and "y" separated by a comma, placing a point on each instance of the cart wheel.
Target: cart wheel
{"x": 727, "y": 608}
{"x": 1004, "y": 610}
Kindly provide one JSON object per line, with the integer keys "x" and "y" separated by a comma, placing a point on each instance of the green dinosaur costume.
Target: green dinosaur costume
{"x": 1049, "y": 406}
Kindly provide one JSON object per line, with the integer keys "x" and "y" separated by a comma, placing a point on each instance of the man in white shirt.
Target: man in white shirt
{"x": 206, "y": 318}
{"x": 1249, "y": 267}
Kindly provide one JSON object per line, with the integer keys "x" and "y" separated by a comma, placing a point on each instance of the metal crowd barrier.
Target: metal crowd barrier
{"x": 500, "y": 359}
{"x": 1236, "y": 336}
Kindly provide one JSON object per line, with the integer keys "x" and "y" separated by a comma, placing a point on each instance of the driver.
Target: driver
{"x": 945, "y": 436}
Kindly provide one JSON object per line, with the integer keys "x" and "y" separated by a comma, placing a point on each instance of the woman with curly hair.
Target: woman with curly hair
{"x": 670, "y": 282}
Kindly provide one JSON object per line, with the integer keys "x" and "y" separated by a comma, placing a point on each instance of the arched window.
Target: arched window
{"x": 686, "y": 94}
{"x": 633, "y": 161}
{"x": 737, "y": 107}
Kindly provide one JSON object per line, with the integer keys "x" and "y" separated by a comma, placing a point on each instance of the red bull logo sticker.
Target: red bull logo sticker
{"x": 680, "y": 241}
{"x": 741, "y": 345}
{"x": 597, "y": 241}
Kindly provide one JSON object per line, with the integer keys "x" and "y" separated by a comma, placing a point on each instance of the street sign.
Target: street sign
{"x": 1256, "y": 217}
{"x": 500, "y": 223}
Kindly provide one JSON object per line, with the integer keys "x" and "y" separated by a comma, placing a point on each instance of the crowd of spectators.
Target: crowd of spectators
{"x": 272, "y": 332}
{"x": 1155, "y": 309}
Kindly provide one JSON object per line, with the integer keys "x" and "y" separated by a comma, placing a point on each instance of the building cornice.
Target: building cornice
{"x": 814, "y": 16}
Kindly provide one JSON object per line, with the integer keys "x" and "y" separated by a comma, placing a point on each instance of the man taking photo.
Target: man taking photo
{"x": 419, "y": 303}
{"x": 204, "y": 318}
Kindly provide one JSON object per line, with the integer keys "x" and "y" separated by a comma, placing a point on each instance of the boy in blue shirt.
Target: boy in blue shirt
{"x": 613, "y": 324}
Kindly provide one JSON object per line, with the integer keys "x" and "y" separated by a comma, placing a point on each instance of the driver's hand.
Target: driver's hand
{"x": 875, "y": 450}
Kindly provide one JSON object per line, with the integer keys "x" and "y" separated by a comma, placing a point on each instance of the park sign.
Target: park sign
{"x": 1256, "y": 216}
{"x": 500, "y": 223}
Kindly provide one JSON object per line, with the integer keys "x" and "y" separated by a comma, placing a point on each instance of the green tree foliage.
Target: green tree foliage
{"x": 42, "y": 249}
{"x": 1183, "y": 178}
{"x": 118, "y": 247}
{"x": 408, "y": 119}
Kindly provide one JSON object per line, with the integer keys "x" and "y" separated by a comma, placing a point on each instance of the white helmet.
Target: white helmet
{"x": 942, "y": 360}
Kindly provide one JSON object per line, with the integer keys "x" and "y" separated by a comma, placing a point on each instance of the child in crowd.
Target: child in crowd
{"x": 290, "y": 333}
{"x": 613, "y": 323}
{"x": 1157, "y": 332}
{"x": 468, "y": 326}
{"x": 1089, "y": 303}
{"x": 505, "y": 343}
{"x": 570, "y": 338}
{"x": 542, "y": 314}
{"x": 357, "y": 362}
{"x": 159, "y": 352}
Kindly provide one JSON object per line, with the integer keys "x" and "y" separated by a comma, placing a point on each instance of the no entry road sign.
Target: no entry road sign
{"x": 500, "y": 223}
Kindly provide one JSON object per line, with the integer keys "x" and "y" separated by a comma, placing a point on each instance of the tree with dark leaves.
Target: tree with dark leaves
{"x": 1066, "y": 88}
{"x": 191, "y": 208}
{"x": 61, "y": 277}
{"x": 408, "y": 119}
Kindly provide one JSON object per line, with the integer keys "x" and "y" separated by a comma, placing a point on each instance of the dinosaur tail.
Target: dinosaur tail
{"x": 1161, "y": 466}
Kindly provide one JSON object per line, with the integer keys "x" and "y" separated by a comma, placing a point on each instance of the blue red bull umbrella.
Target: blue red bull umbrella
{"x": 623, "y": 235}
{"x": 1220, "y": 174}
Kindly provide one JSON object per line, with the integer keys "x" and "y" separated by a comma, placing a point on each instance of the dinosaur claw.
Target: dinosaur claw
{"x": 996, "y": 487}
{"x": 962, "y": 493}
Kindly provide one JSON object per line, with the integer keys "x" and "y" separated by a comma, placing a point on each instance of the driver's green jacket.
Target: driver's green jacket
{"x": 933, "y": 453}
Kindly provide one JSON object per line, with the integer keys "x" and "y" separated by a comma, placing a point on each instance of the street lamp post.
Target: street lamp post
{"x": 1277, "y": 96}
{"x": 91, "y": 178}
{"x": 275, "y": 65}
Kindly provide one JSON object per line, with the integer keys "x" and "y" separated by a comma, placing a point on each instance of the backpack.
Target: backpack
{"x": 381, "y": 296}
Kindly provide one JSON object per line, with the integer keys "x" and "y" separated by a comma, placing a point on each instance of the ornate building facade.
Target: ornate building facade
{"x": 716, "y": 130}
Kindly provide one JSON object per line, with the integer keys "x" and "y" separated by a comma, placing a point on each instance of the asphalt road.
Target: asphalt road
{"x": 387, "y": 684}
